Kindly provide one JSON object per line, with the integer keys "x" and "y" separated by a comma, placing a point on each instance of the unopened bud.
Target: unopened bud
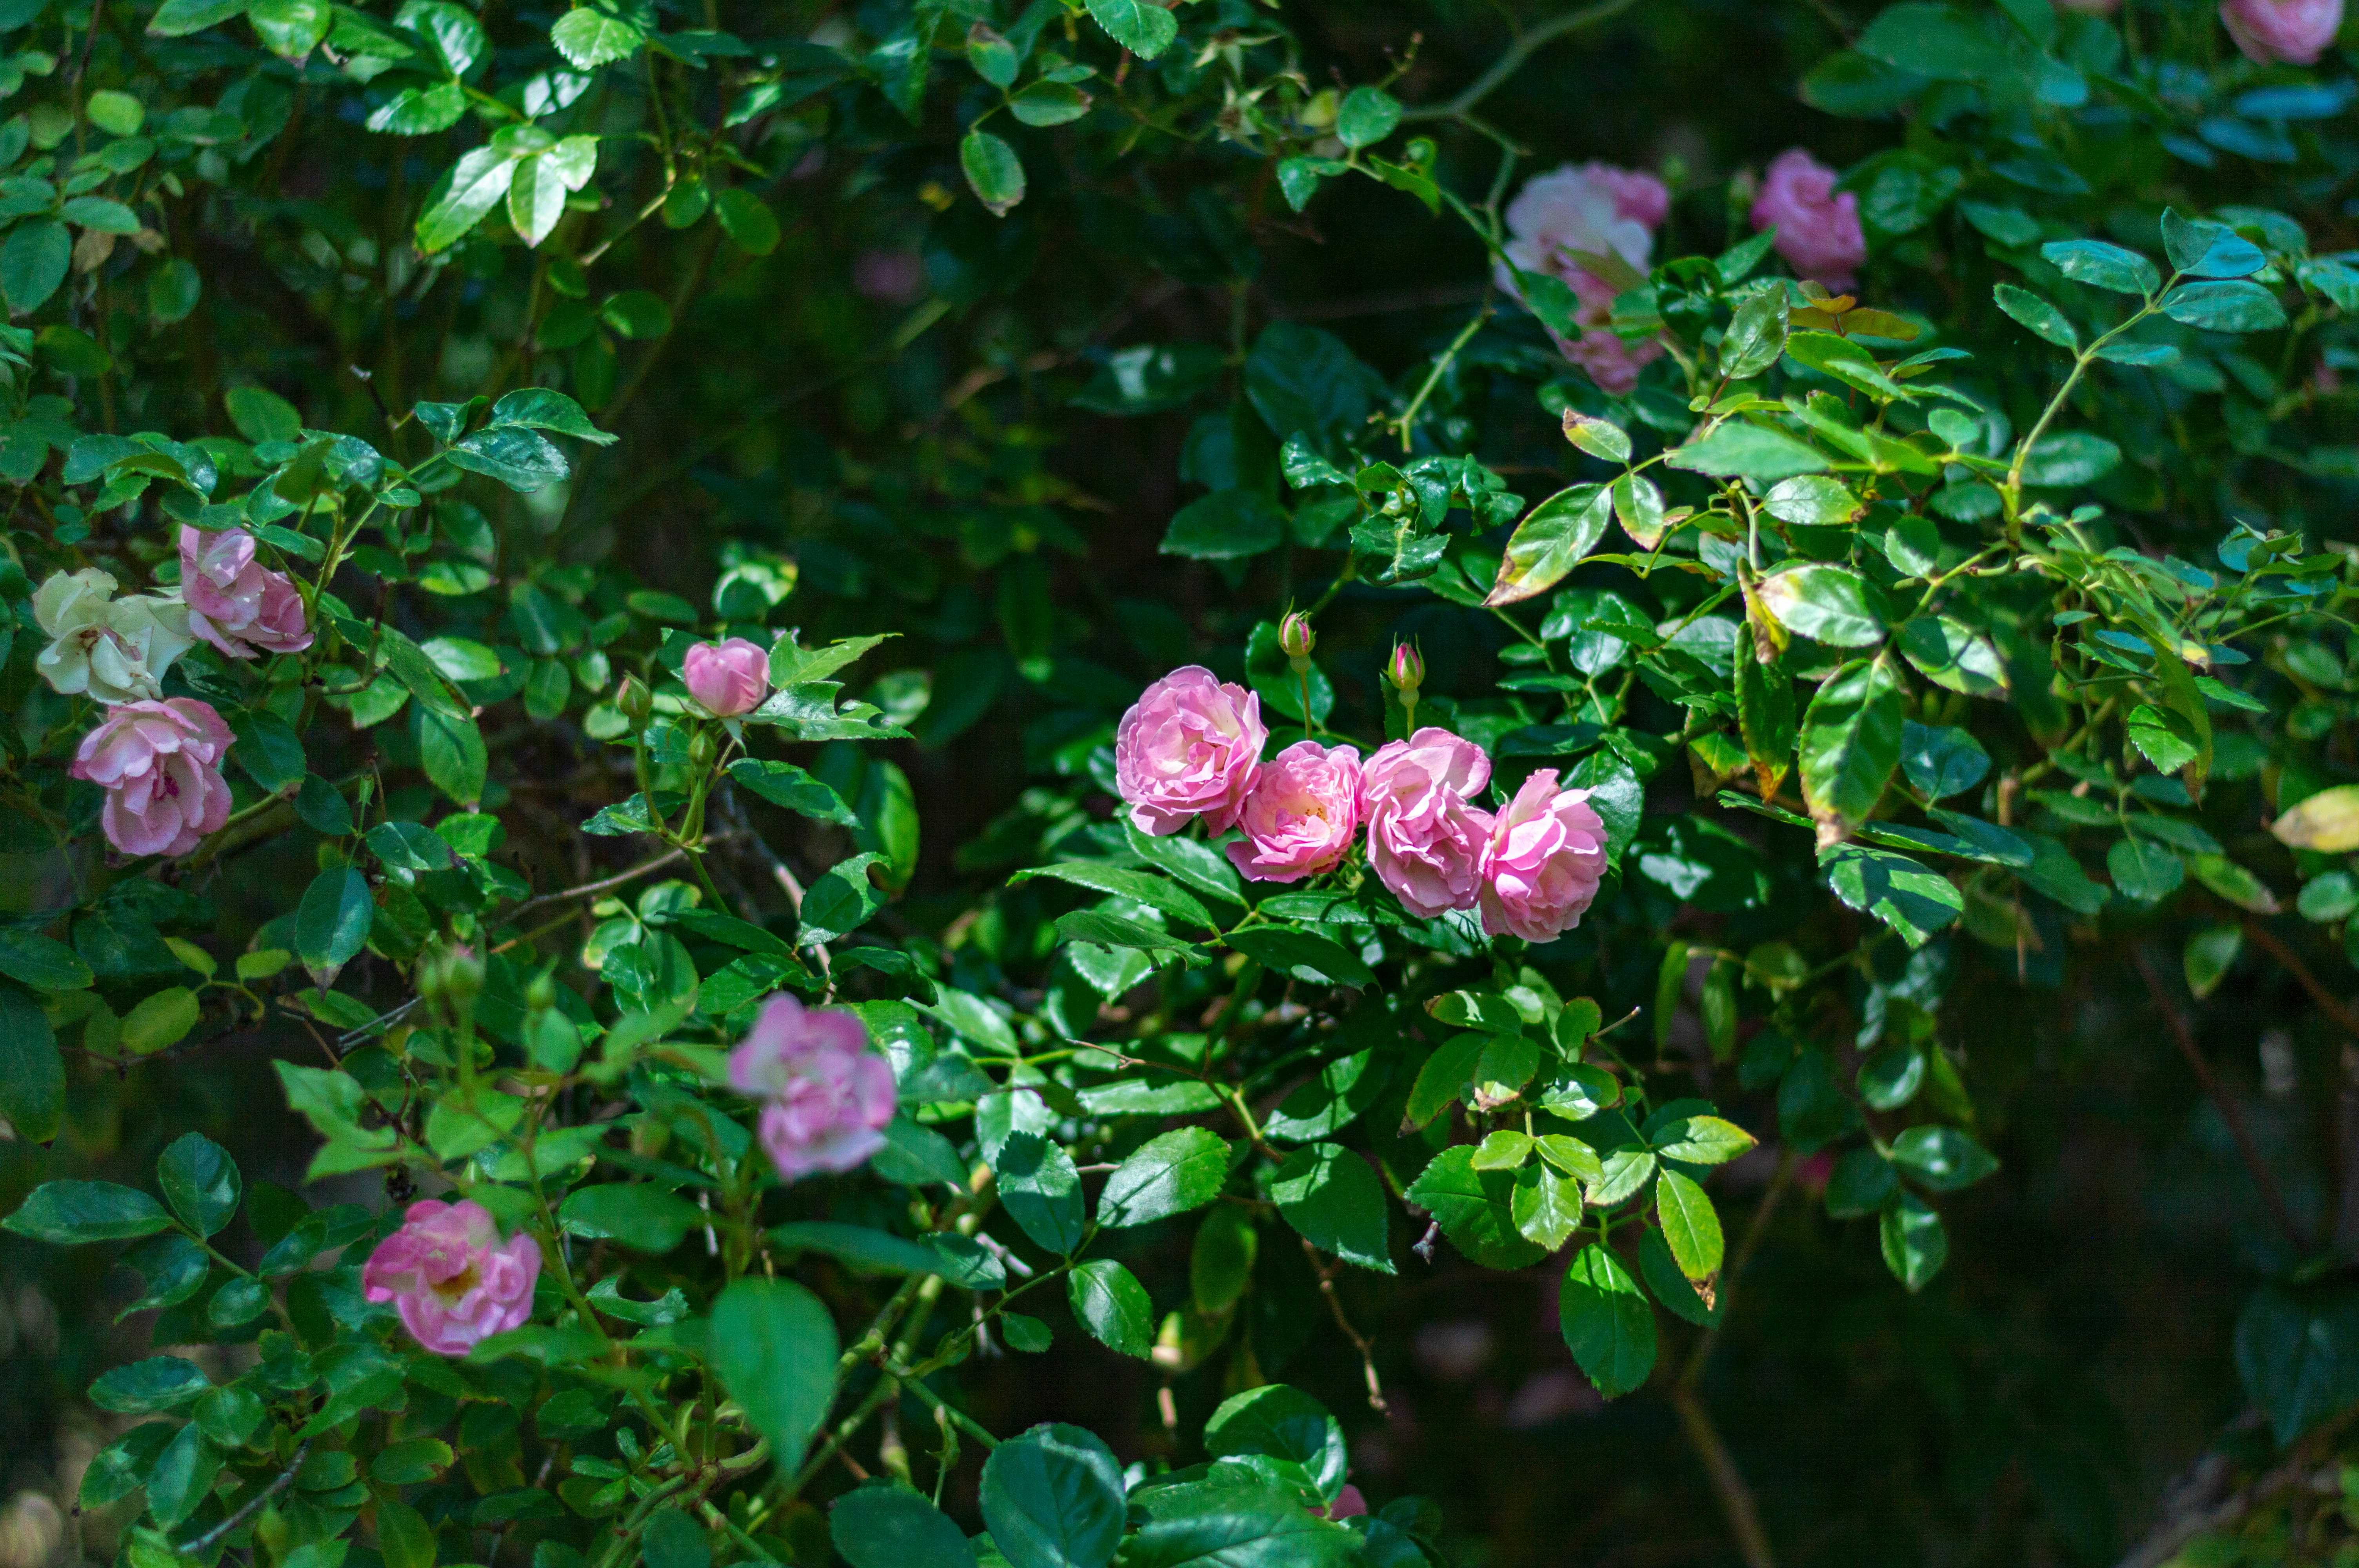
{"x": 451, "y": 977}
{"x": 636, "y": 701}
{"x": 1405, "y": 670}
{"x": 703, "y": 749}
{"x": 540, "y": 995}
{"x": 1295, "y": 639}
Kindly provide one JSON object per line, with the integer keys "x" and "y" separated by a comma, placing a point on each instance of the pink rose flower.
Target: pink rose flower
{"x": 1425, "y": 840}
{"x": 235, "y": 603}
{"x": 159, "y": 763}
{"x": 1818, "y": 231}
{"x": 828, "y": 1094}
{"x": 1189, "y": 747}
{"x": 451, "y": 1278}
{"x": 729, "y": 678}
{"x": 1546, "y": 857}
{"x": 1604, "y": 211}
{"x": 1300, "y": 814}
{"x": 2294, "y": 31}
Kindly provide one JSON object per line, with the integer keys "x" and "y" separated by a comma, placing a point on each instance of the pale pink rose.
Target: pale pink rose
{"x": 1546, "y": 857}
{"x": 235, "y": 602}
{"x": 2294, "y": 31}
{"x": 1301, "y": 814}
{"x": 1425, "y": 840}
{"x": 826, "y": 1092}
{"x": 1604, "y": 211}
{"x": 451, "y": 1278}
{"x": 729, "y": 678}
{"x": 1348, "y": 1504}
{"x": 1818, "y": 231}
{"x": 1189, "y": 747}
{"x": 159, "y": 763}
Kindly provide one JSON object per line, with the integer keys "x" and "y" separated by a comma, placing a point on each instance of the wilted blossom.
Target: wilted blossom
{"x": 159, "y": 763}
{"x": 1546, "y": 857}
{"x": 828, "y": 1094}
{"x": 1604, "y": 211}
{"x": 1818, "y": 231}
{"x": 1426, "y": 842}
{"x": 235, "y": 602}
{"x": 2293, "y": 31}
{"x": 451, "y": 1278}
{"x": 1301, "y": 814}
{"x": 117, "y": 650}
{"x": 729, "y": 678}
{"x": 1189, "y": 747}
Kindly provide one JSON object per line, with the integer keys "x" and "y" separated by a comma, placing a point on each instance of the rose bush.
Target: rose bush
{"x": 1634, "y": 738}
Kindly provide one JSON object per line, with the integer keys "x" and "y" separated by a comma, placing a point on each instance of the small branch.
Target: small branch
{"x": 2263, "y": 1178}
{"x": 1360, "y": 1341}
{"x": 253, "y": 1505}
{"x": 589, "y": 889}
{"x": 1507, "y": 64}
{"x": 2328, "y": 1002}
{"x": 1754, "y": 1230}
{"x": 1727, "y": 1481}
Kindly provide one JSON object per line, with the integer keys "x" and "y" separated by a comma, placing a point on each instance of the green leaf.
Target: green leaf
{"x": 1234, "y": 1520}
{"x": 1125, "y": 881}
{"x": 2068, "y": 459}
{"x": 775, "y": 1346}
{"x": 1144, "y": 28}
{"x": 1277, "y": 1421}
{"x": 1545, "y": 1206}
{"x": 1607, "y": 1325}
{"x": 1702, "y": 1141}
{"x": 1850, "y": 743}
{"x": 2144, "y": 870}
{"x": 1915, "y": 1244}
{"x": 331, "y": 923}
{"x": 525, "y": 460}
{"x": 72, "y": 1212}
{"x": 1305, "y": 954}
{"x": 747, "y": 220}
{"x": 840, "y": 901}
{"x": 33, "y": 262}
{"x": 1952, "y": 654}
{"x": 1446, "y": 1075}
{"x": 2209, "y": 955}
{"x": 641, "y": 1218}
{"x": 2044, "y": 320}
{"x": 478, "y": 182}
{"x": 1042, "y": 1192}
{"x": 1813, "y": 501}
{"x": 1226, "y": 525}
{"x": 157, "y": 1384}
{"x": 2298, "y": 1355}
{"x": 1906, "y": 895}
{"x": 1112, "y": 1304}
{"x": 1170, "y": 1174}
{"x": 1476, "y": 1209}
{"x": 1336, "y": 1203}
{"x": 421, "y": 110}
{"x": 1053, "y": 1499}
{"x": 1828, "y": 604}
{"x": 867, "y": 1251}
{"x": 589, "y": 38}
{"x": 178, "y": 18}
{"x": 1944, "y": 42}
{"x": 1691, "y": 1228}
{"x": 2201, "y": 248}
{"x": 1368, "y": 115}
{"x": 1049, "y": 103}
{"x": 2227, "y": 306}
{"x": 1941, "y": 1159}
{"x": 162, "y": 1021}
{"x": 1755, "y": 337}
{"x": 992, "y": 171}
{"x": 1550, "y": 541}
{"x": 32, "y": 1071}
{"x": 2165, "y": 737}
{"x": 289, "y": 28}
{"x": 451, "y": 750}
{"x": 1749, "y": 451}
{"x": 784, "y": 785}
{"x": 2103, "y": 265}
{"x": 201, "y": 1182}
{"x": 1764, "y": 714}
{"x": 886, "y": 1525}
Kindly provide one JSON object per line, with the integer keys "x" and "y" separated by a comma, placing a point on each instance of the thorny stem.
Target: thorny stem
{"x": 1512, "y": 61}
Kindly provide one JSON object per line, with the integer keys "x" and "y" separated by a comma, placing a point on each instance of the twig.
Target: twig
{"x": 604, "y": 884}
{"x": 1360, "y": 1341}
{"x": 1507, "y": 64}
{"x": 2262, "y": 1177}
{"x": 253, "y": 1505}
{"x": 1735, "y": 1497}
{"x": 2328, "y": 1002}
{"x": 1747, "y": 1246}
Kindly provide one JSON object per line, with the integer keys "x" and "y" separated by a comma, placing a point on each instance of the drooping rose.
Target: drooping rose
{"x": 2293, "y": 31}
{"x": 1426, "y": 841}
{"x": 1189, "y": 747}
{"x": 1818, "y": 231}
{"x": 451, "y": 1278}
{"x": 1301, "y": 814}
{"x": 729, "y": 678}
{"x": 159, "y": 763}
{"x": 235, "y": 602}
{"x": 1546, "y": 857}
{"x": 826, "y": 1092}
{"x": 117, "y": 650}
{"x": 1604, "y": 211}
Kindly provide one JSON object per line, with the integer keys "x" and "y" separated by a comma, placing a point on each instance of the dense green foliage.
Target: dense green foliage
{"x": 1941, "y": 1131}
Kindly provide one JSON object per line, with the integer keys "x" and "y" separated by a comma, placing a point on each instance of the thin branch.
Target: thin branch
{"x": 2262, "y": 1177}
{"x": 1507, "y": 64}
{"x": 604, "y": 884}
{"x": 2328, "y": 1002}
{"x": 1360, "y": 1341}
{"x": 197, "y": 1548}
{"x": 1727, "y": 1481}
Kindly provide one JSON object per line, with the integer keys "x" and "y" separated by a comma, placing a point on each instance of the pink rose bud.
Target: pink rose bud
{"x": 826, "y": 1092}
{"x": 1405, "y": 669}
{"x": 2294, "y": 31}
{"x": 1818, "y": 231}
{"x": 235, "y": 602}
{"x": 159, "y": 763}
{"x": 1547, "y": 856}
{"x": 1301, "y": 814}
{"x": 1424, "y": 841}
{"x": 1294, "y": 635}
{"x": 451, "y": 1278}
{"x": 729, "y": 678}
{"x": 1189, "y": 747}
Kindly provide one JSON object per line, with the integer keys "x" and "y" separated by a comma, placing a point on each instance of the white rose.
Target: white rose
{"x": 117, "y": 650}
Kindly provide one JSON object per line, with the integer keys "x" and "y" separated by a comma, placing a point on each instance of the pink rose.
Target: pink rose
{"x": 1300, "y": 814}
{"x": 1424, "y": 840}
{"x": 827, "y": 1092}
{"x": 2294, "y": 31}
{"x": 1189, "y": 747}
{"x": 729, "y": 678}
{"x": 451, "y": 1278}
{"x": 159, "y": 763}
{"x": 1547, "y": 856}
{"x": 235, "y": 603}
{"x": 1818, "y": 231}
{"x": 1604, "y": 211}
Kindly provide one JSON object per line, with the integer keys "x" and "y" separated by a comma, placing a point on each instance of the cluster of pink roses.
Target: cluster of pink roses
{"x": 160, "y": 760}
{"x": 1191, "y": 746}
